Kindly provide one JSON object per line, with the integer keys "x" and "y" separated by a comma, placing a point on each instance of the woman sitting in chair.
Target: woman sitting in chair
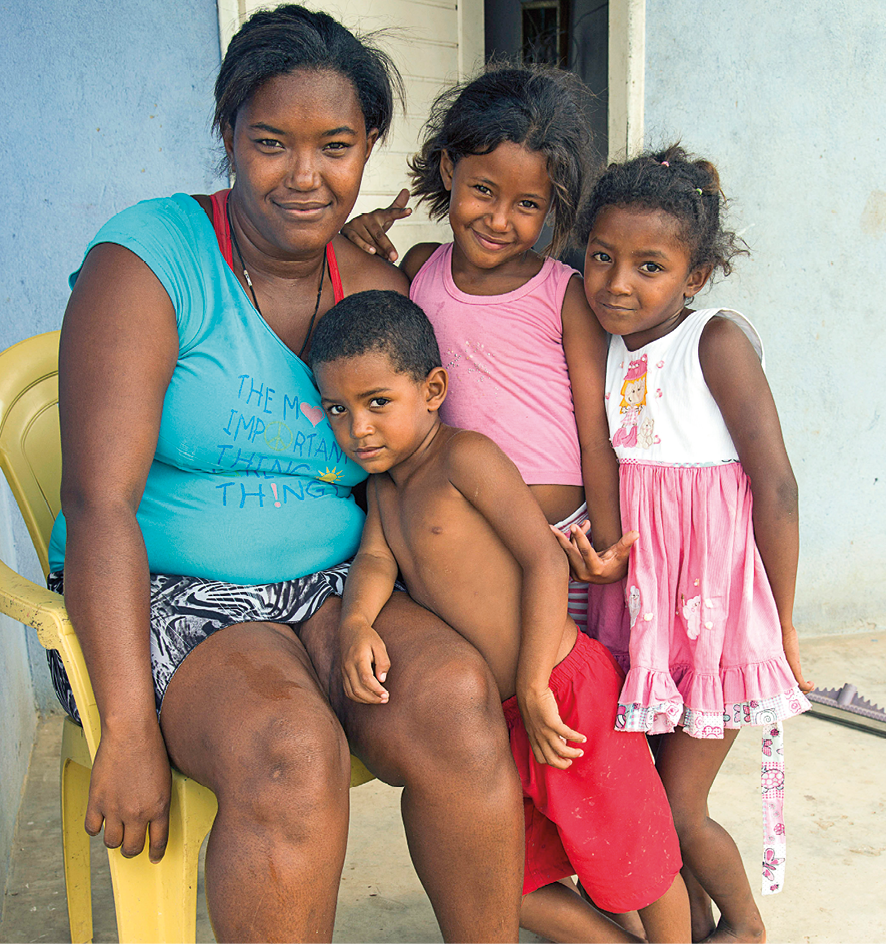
{"x": 207, "y": 513}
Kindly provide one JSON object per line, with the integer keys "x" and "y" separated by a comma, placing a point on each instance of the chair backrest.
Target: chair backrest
{"x": 30, "y": 446}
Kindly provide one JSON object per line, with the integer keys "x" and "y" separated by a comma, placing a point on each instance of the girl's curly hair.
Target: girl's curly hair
{"x": 686, "y": 187}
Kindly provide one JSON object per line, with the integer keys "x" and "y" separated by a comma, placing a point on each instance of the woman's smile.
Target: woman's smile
{"x": 298, "y": 151}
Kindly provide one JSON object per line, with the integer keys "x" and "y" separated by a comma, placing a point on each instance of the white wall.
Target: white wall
{"x": 17, "y": 708}
{"x": 788, "y": 100}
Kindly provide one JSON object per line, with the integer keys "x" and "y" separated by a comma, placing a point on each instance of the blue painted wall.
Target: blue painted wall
{"x": 787, "y": 100}
{"x": 104, "y": 104}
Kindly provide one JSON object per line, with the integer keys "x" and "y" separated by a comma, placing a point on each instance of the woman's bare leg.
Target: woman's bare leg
{"x": 687, "y": 767}
{"x": 244, "y": 715}
{"x": 442, "y": 736}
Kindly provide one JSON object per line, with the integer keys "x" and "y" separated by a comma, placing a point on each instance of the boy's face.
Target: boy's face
{"x": 379, "y": 416}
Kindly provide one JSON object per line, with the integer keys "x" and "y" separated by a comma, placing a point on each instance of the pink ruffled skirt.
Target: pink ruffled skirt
{"x": 705, "y": 638}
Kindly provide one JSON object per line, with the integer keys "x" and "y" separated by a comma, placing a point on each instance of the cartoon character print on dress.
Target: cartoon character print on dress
{"x": 637, "y": 424}
{"x": 693, "y": 610}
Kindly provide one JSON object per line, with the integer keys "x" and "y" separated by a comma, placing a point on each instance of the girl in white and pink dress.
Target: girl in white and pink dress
{"x": 705, "y": 479}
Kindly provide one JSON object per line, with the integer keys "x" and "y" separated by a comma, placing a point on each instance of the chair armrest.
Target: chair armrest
{"x": 35, "y": 606}
{"x": 43, "y": 610}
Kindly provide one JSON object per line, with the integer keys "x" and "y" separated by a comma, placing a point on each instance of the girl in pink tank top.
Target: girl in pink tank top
{"x": 526, "y": 357}
{"x": 502, "y": 155}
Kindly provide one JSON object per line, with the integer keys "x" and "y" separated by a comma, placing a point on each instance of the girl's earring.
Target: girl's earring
{"x": 688, "y": 299}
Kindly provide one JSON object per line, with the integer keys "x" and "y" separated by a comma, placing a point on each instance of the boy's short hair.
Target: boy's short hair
{"x": 378, "y": 321}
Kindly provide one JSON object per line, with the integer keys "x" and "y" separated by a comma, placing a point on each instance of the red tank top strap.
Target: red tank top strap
{"x": 221, "y": 226}
{"x": 223, "y": 233}
{"x": 338, "y": 293}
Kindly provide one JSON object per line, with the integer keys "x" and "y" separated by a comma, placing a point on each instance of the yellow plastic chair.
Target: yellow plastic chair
{"x": 153, "y": 902}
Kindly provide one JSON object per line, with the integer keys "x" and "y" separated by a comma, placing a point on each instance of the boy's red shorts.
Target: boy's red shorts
{"x": 606, "y": 818}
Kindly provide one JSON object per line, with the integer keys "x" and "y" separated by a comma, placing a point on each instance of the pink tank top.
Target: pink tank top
{"x": 507, "y": 366}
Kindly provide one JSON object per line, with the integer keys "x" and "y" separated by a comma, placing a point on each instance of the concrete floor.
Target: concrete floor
{"x": 835, "y": 807}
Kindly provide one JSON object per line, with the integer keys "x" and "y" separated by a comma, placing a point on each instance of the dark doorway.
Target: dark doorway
{"x": 516, "y": 30}
{"x": 514, "y": 27}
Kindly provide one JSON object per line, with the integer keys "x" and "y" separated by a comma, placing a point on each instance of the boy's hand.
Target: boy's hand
{"x": 586, "y": 564}
{"x": 791, "y": 645}
{"x": 364, "y": 664}
{"x": 547, "y": 733}
{"x": 368, "y": 229}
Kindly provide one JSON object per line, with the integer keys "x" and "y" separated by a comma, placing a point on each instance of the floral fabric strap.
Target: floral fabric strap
{"x": 772, "y": 783}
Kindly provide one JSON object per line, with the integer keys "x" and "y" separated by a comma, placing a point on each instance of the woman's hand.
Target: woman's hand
{"x": 129, "y": 791}
{"x": 364, "y": 663}
{"x": 368, "y": 230}
{"x": 586, "y": 564}
{"x": 547, "y": 733}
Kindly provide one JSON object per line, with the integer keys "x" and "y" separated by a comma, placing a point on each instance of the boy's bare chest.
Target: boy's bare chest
{"x": 440, "y": 540}
{"x": 424, "y": 516}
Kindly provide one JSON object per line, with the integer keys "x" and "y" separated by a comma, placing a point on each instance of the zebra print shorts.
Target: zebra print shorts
{"x": 187, "y": 610}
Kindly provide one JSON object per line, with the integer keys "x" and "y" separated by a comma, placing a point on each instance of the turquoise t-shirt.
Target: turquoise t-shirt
{"x": 247, "y": 484}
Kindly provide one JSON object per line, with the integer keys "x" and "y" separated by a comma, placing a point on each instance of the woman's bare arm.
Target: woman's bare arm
{"x": 119, "y": 346}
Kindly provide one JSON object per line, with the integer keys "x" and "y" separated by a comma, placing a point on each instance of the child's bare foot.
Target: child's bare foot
{"x": 703, "y": 931}
{"x": 752, "y": 935}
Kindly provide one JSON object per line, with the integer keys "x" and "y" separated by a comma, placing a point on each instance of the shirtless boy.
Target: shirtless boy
{"x": 449, "y": 511}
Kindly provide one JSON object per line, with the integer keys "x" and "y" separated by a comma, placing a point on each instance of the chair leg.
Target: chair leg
{"x": 151, "y": 900}
{"x": 75, "y": 845}
{"x": 159, "y": 902}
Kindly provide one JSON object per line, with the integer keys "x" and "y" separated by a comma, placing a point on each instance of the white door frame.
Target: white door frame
{"x": 627, "y": 70}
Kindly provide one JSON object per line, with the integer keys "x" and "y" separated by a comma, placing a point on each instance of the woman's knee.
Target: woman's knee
{"x": 460, "y": 687}
{"x": 455, "y": 720}
{"x": 289, "y": 774}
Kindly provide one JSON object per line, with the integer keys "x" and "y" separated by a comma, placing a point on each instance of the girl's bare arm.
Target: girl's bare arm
{"x": 119, "y": 346}
{"x": 369, "y": 230}
{"x": 737, "y": 383}
{"x": 585, "y": 344}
